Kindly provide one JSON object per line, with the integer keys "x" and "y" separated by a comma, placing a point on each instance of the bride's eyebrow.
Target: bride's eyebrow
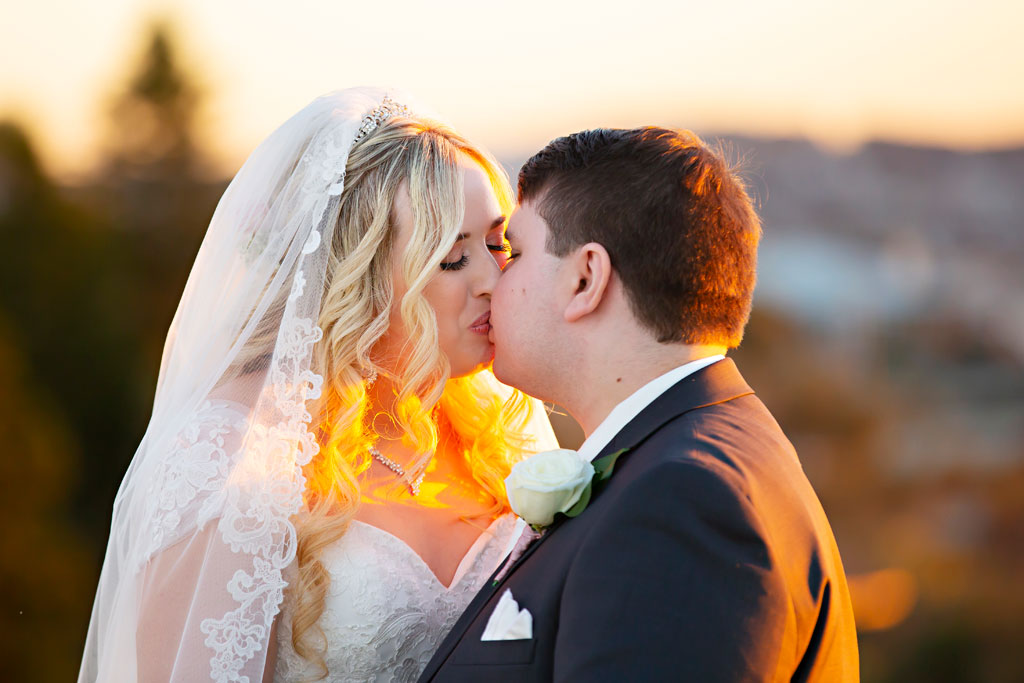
{"x": 497, "y": 223}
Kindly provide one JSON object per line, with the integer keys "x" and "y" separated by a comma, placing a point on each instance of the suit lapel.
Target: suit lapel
{"x": 717, "y": 383}
{"x": 706, "y": 387}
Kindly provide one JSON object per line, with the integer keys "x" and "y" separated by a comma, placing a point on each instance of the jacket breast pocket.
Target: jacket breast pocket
{"x": 494, "y": 652}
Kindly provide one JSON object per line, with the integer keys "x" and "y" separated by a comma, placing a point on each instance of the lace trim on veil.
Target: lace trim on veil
{"x": 254, "y": 497}
{"x": 252, "y": 489}
{"x": 241, "y": 466}
{"x": 256, "y": 517}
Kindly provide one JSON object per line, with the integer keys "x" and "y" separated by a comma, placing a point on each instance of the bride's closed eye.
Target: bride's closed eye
{"x": 455, "y": 265}
{"x": 457, "y": 258}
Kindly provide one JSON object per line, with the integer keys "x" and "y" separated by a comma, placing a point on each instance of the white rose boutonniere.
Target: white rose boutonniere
{"x": 554, "y": 482}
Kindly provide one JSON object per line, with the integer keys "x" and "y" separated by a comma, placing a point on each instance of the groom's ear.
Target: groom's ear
{"x": 590, "y": 268}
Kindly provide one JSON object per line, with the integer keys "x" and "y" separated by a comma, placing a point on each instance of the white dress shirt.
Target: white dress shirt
{"x": 637, "y": 401}
{"x": 625, "y": 411}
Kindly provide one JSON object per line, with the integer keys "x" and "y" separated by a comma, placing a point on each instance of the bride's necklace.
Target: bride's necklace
{"x": 414, "y": 485}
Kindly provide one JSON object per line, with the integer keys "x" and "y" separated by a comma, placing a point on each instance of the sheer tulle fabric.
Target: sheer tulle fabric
{"x": 201, "y": 530}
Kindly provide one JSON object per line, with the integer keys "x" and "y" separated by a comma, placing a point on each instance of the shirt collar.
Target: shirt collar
{"x": 630, "y": 407}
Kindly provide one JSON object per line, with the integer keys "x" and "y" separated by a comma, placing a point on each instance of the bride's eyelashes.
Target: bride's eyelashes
{"x": 455, "y": 265}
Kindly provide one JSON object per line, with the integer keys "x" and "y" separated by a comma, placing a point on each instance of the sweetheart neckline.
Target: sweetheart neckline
{"x": 474, "y": 552}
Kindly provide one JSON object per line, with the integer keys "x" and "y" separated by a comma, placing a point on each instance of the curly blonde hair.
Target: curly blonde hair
{"x": 357, "y": 306}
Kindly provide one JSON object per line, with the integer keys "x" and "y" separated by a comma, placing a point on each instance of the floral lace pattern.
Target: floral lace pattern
{"x": 386, "y": 612}
{"x": 256, "y": 516}
{"x": 264, "y": 489}
{"x": 227, "y": 465}
{"x": 187, "y": 484}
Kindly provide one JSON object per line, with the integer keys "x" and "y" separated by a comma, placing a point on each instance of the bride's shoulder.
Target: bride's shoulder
{"x": 225, "y": 406}
{"x": 238, "y": 393}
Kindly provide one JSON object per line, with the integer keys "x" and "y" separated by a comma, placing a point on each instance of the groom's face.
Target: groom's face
{"x": 526, "y": 314}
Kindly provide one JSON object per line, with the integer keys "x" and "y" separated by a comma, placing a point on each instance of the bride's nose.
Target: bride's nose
{"x": 485, "y": 276}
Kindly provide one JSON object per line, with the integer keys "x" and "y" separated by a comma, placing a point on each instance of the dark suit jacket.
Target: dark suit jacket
{"x": 707, "y": 557}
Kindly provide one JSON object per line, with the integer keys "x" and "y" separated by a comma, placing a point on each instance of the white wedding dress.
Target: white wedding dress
{"x": 386, "y": 611}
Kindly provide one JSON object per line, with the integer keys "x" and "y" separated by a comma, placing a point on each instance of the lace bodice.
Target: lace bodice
{"x": 386, "y": 612}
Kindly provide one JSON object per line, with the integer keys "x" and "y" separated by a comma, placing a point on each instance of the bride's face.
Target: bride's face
{"x": 460, "y": 293}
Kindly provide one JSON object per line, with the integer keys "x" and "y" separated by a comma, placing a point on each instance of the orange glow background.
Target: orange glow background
{"x": 514, "y": 76}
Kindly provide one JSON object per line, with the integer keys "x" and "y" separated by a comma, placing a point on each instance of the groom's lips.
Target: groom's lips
{"x": 482, "y": 325}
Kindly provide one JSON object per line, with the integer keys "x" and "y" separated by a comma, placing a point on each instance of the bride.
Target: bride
{"x": 318, "y": 494}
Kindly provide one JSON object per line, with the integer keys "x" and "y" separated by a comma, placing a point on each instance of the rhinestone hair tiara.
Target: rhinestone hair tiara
{"x": 385, "y": 110}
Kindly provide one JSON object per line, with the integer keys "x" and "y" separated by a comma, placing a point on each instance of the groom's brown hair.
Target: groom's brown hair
{"x": 676, "y": 221}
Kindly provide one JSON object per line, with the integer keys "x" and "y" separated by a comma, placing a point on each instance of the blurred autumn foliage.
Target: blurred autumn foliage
{"x": 89, "y": 279}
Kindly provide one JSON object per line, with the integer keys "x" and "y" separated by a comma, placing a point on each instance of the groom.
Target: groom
{"x": 705, "y": 556}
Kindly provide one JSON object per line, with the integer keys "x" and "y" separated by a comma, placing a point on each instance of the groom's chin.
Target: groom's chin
{"x": 507, "y": 374}
{"x": 500, "y": 368}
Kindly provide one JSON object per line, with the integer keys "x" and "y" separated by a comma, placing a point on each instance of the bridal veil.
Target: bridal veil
{"x": 201, "y": 529}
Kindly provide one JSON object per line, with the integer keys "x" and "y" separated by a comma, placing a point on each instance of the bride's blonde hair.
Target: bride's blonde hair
{"x": 357, "y": 306}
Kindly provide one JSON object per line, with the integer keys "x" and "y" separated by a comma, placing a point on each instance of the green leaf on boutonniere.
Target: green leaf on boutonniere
{"x": 602, "y": 470}
{"x": 581, "y": 504}
{"x": 603, "y": 466}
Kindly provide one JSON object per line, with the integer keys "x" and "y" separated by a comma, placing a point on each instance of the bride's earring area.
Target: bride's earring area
{"x": 369, "y": 377}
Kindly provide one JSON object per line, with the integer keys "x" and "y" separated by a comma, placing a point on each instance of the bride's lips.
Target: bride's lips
{"x": 482, "y": 325}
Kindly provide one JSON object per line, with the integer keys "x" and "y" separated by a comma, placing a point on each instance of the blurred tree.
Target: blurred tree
{"x": 63, "y": 402}
{"x": 89, "y": 278}
{"x": 154, "y": 187}
{"x": 152, "y": 121}
{"x": 63, "y": 288}
{"x": 45, "y": 567}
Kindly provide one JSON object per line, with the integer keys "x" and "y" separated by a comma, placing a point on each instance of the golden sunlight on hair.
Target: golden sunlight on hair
{"x": 469, "y": 412}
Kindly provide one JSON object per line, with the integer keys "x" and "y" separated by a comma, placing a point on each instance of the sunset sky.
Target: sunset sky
{"x": 514, "y": 75}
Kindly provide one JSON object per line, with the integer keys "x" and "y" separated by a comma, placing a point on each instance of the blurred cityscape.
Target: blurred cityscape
{"x": 887, "y": 338}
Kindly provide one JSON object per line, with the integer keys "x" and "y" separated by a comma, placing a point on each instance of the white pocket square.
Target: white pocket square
{"x": 508, "y": 622}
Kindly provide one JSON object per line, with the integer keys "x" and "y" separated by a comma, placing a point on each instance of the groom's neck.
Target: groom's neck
{"x": 612, "y": 373}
